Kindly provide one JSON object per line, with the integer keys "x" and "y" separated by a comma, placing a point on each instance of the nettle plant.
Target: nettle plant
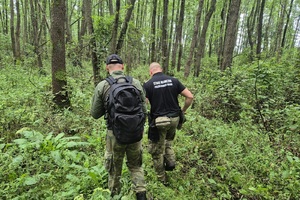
{"x": 40, "y": 166}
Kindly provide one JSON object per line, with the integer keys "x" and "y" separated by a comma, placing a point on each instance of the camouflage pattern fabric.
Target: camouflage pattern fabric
{"x": 114, "y": 156}
{"x": 163, "y": 149}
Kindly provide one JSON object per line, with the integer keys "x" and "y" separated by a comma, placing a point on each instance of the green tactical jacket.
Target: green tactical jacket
{"x": 101, "y": 92}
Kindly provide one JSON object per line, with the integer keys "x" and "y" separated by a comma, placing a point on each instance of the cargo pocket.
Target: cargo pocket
{"x": 108, "y": 162}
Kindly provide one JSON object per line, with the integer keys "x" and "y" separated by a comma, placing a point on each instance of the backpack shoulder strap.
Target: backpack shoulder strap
{"x": 110, "y": 80}
{"x": 129, "y": 79}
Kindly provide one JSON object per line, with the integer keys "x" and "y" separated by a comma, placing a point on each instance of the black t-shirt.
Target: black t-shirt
{"x": 162, "y": 92}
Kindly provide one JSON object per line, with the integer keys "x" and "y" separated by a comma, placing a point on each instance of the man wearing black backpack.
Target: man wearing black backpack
{"x": 125, "y": 117}
{"x": 165, "y": 116}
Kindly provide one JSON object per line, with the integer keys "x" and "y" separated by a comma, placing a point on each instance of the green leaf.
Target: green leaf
{"x": 212, "y": 181}
{"x": 30, "y": 181}
{"x": 59, "y": 136}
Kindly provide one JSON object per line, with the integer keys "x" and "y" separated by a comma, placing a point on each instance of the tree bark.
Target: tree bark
{"x": 110, "y": 7}
{"x": 178, "y": 35}
{"x": 4, "y": 18}
{"x": 125, "y": 26}
{"x": 153, "y": 31}
{"x": 164, "y": 38}
{"x": 59, "y": 74}
{"x": 230, "y": 34}
{"x": 12, "y": 29}
{"x": 259, "y": 27}
{"x": 286, "y": 24}
{"x": 201, "y": 46}
{"x": 18, "y": 26}
{"x": 267, "y": 27}
{"x": 35, "y": 35}
{"x": 25, "y": 22}
{"x": 93, "y": 46}
{"x": 194, "y": 39}
{"x": 114, "y": 36}
{"x": 222, "y": 32}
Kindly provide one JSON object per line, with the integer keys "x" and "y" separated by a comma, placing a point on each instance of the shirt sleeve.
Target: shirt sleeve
{"x": 97, "y": 107}
{"x": 143, "y": 96}
{"x": 180, "y": 86}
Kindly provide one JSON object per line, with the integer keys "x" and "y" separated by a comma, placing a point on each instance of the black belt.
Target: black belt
{"x": 173, "y": 115}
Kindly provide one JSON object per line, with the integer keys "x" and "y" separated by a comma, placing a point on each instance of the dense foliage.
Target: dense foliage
{"x": 241, "y": 140}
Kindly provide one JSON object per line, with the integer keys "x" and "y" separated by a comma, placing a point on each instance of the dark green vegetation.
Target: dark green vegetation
{"x": 241, "y": 140}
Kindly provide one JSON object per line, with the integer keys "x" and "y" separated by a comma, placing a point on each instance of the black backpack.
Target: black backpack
{"x": 125, "y": 110}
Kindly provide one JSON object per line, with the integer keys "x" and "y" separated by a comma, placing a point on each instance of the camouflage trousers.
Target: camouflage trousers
{"x": 163, "y": 148}
{"x": 114, "y": 156}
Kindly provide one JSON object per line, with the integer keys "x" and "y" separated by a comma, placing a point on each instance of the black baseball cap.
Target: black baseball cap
{"x": 113, "y": 59}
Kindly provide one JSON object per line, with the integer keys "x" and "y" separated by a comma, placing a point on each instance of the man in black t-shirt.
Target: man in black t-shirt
{"x": 162, "y": 92}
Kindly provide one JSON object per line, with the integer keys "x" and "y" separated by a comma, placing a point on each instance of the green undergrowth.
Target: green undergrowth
{"x": 240, "y": 141}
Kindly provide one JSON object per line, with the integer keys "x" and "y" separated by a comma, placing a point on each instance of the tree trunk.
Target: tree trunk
{"x": 268, "y": 25}
{"x": 164, "y": 38}
{"x": 153, "y": 32}
{"x": 251, "y": 20}
{"x": 259, "y": 27}
{"x": 111, "y": 7}
{"x": 18, "y": 51}
{"x": 230, "y": 34}
{"x": 125, "y": 26}
{"x": 12, "y": 29}
{"x": 59, "y": 74}
{"x": 93, "y": 45}
{"x": 68, "y": 22}
{"x": 4, "y": 17}
{"x": 222, "y": 32}
{"x": 201, "y": 46}
{"x": 280, "y": 28}
{"x": 35, "y": 35}
{"x": 83, "y": 26}
{"x": 171, "y": 31}
{"x": 287, "y": 24}
{"x": 114, "y": 36}
{"x": 295, "y": 35}
{"x": 178, "y": 33}
{"x": 25, "y": 22}
{"x": 194, "y": 39}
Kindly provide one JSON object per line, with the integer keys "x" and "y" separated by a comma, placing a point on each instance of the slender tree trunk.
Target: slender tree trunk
{"x": 164, "y": 38}
{"x": 222, "y": 32}
{"x": 35, "y": 35}
{"x": 251, "y": 20}
{"x": 25, "y": 22}
{"x": 125, "y": 26}
{"x": 230, "y": 34}
{"x": 12, "y": 29}
{"x": 59, "y": 74}
{"x": 294, "y": 40}
{"x": 93, "y": 46}
{"x": 178, "y": 33}
{"x": 194, "y": 39}
{"x": 201, "y": 46}
{"x": 153, "y": 31}
{"x": 83, "y": 26}
{"x": 4, "y": 17}
{"x": 68, "y": 26}
{"x": 113, "y": 47}
{"x": 280, "y": 25}
{"x": 286, "y": 24}
{"x": 267, "y": 27}
{"x": 171, "y": 30}
{"x": 259, "y": 27}
{"x": 111, "y": 7}
{"x": 18, "y": 51}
